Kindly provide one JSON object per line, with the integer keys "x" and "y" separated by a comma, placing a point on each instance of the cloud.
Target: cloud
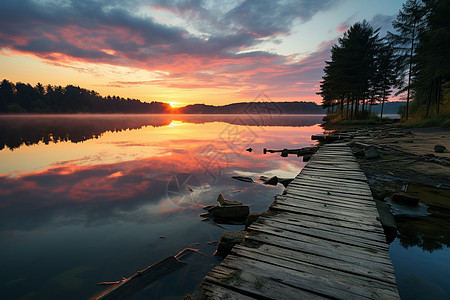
{"x": 213, "y": 48}
{"x": 384, "y": 22}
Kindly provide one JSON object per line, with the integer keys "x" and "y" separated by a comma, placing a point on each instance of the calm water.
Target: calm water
{"x": 421, "y": 252}
{"x": 86, "y": 199}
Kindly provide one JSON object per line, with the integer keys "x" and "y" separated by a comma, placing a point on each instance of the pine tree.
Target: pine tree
{"x": 410, "y": 22}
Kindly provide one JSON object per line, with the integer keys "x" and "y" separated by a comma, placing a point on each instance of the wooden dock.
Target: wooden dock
{"x": 321, "y": 239}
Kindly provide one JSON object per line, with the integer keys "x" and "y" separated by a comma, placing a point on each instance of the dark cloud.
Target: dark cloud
{"x": 218, "y": 39}
{"x": 267, "y": 18}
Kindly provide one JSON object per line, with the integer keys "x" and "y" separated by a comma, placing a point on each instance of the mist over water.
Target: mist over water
{"x": 86, "y": 199}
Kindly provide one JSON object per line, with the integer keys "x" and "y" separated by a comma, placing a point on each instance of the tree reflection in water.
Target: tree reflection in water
{"x": 431, "y": 232}
{"x": 19, "y": 130}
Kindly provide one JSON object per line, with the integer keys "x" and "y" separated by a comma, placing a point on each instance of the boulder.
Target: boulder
{"x": 285, "y": 181}
{"x": 358, "y": 152}
{"x": 439, "y": 148}
{"x": 226, "y": 202}
{"x": 231, "y": 212}
{"x": 251, "y": 219}
{"x": 405, "y": 199}
{"x": 387, "y": 220}
{"x": 228, "y": 240}
{"x": 307, "y": 157}
{"x": 272, "y": 180}
{"x": 371, "y": 152}
{"x": 386, "y": 217}
{"x": 377, "y": 193}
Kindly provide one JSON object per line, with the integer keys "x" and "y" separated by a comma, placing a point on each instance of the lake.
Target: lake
{"x": 92, "y": 198}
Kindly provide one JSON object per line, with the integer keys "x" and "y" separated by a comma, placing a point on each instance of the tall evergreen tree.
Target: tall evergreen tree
{"x": 433, "y": 55}
{"x": 410, "y": 22}
{"x": 349, "y": 73}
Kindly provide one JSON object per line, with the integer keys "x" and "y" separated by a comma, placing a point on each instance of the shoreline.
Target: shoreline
{"x": 405, "y": 154}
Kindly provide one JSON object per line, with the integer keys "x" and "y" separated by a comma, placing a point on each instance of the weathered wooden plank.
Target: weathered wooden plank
{"x": 321, "y": 239}
{"x": 256, "y": 285}
{"x": 377, "y": 284}
{"x": 373, "y": 234}
{"x": 360, "y": 269}
{"x": 309, "y": 282}
{"x": 214, "y": 291}
{"x": 339, "y": 190}
{"x": 358, "y": 250}
{"x": 365, "y": 261}
{"x": 322, "y": 180}
{"x": 130, "y": 286}
{"x": 356, "y": 177}
{"x": 324, "y": 197}
{"x": 331, "y": 215}
{"x": 325, "y": 207}
{"x": 296, "y": 218}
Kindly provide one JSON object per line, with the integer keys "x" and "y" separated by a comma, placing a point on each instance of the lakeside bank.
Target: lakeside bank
{"x": 404, "y": 161}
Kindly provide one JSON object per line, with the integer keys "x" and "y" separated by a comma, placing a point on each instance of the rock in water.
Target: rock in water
{"x": 371, "y": 152}
{"x": 285, "y": 181}
{"x": 231, "y": 212}
{"x": 307, "y": 157}
{"x": 387, "y": 220}
{"x": 378, "y": 193}
{"x": 243, "y": 178}
{"x": 439, "y": 148}
{"x": 226, "y": 202}
{"x": 251, "y": 219}
{"x": 272, "y": 180}
{"x": 228, "y": 240}
{"x": 405, "y": 198}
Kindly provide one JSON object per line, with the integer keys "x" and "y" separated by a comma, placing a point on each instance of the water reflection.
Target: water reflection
{"x": 75, "y": 218}
{"x": 16, "y": 131}
{"x": 431, "y": 231}
{"x": 421, "y": 252}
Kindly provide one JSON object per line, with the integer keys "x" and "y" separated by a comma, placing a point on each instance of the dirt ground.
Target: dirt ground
{"x": 406, "y": 154}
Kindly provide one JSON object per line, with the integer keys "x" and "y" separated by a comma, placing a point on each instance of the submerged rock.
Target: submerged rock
{"x": 243, "y": 178}
{"x": 285, "y": 181}
{"x": 371, "y": 152}
{"x": 439, "y": 148}
{"x": 405, "y": 199}
{"x": 228, "y": 240}
{"x": 386, "y": 217}
{"x": 272, "y": 180}
{"x": 230, "y": 212}
{"x": 378, "y": 193}
{"x": 226, "y": 202}
{"x": 307, "y": 157}
{"x": 251, "y": 219}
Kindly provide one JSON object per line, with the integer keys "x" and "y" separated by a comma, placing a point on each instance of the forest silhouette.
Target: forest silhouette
{"x": 413, "y": 61}
{"x": 26, "y": 130}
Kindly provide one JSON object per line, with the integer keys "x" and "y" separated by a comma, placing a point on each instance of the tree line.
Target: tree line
{"x": 414, "y": 62}
{"x": 24, "y": 98}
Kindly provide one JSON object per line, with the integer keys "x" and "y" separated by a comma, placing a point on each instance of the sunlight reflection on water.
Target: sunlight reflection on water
{"x": 85, "y": 199}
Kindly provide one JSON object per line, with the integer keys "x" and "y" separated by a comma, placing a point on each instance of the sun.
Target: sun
{"x": 173, "y": 104}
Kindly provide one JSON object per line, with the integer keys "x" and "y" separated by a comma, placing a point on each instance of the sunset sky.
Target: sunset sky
{"x": 183, "y": 52}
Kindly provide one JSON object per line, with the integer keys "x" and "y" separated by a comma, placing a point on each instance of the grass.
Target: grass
{"x": 442, "y": 120}
{"x": 335, "y": 121}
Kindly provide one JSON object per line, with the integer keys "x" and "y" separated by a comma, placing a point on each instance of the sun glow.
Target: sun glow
{"x": 173, "y": 104}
